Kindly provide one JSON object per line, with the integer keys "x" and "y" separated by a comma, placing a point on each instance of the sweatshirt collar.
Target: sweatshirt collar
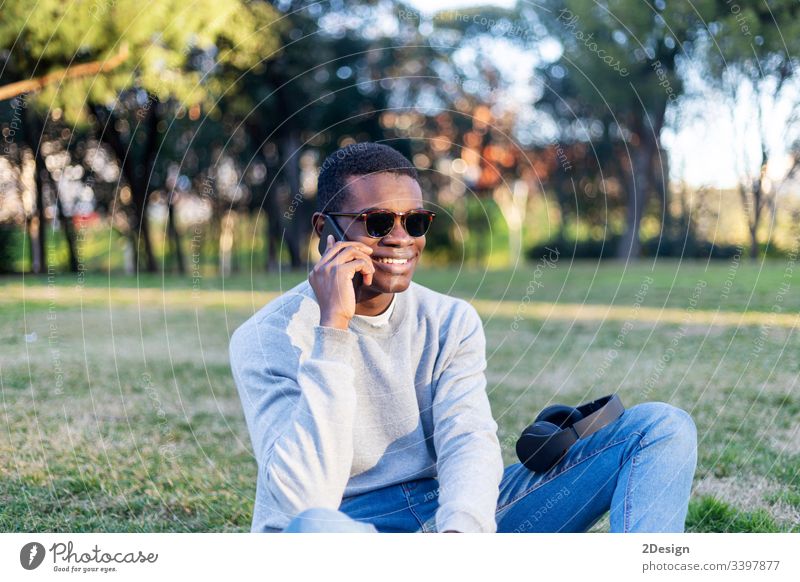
{"x": 398, "y": 317}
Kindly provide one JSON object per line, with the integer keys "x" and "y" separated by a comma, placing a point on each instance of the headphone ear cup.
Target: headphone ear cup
{"x": 542, "y": 428}
{"x": 560, "y": 415}
{"x": 536, "y": 447}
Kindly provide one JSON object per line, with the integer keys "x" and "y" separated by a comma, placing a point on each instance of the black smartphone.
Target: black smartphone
{"x": 332, "y": 228}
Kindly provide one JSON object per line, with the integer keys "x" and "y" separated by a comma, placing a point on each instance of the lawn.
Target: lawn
{"x": 119, "y": 412}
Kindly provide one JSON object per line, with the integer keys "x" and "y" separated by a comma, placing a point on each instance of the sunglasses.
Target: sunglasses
{"x": 380, "y": 222}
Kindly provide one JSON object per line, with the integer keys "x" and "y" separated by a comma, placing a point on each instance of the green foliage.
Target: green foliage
{"x": 165, "y": 41}
{"x": 760, "y": 36}
{"x": 621, "y": 54}
{"x": 11, "y": 242}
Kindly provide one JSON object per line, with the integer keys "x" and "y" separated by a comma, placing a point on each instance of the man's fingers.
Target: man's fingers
{"x": 336, "y": 247}
{"x": 340, "y": 255}
{"x": 365, "y": 267}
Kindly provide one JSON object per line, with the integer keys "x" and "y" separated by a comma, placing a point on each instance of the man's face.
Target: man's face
{"x": 386, "y": 191}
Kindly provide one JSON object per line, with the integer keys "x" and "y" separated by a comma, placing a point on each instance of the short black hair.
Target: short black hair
{"x": 357, "y": 159}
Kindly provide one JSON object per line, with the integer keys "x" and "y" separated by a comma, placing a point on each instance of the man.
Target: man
{"x": 368, "y": 411}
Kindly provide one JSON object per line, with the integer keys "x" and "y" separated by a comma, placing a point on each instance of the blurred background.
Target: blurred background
{"x": 617, "y": 189}
{"x": 166, "y": 137}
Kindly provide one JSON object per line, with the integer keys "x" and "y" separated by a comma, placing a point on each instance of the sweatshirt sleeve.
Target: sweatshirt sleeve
{"x": 469, "y": 460}
{"x": 300, "y": 415}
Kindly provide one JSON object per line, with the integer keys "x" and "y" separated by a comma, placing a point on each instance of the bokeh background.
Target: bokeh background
{"x": 618, "y": 193}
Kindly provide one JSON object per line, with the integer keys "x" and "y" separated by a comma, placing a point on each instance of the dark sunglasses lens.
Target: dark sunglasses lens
{"x": 417, "y": 223}
{"x": 380, "y": 223}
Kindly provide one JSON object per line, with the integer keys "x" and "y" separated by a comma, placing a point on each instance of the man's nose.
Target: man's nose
{"x": 398, "y": 234}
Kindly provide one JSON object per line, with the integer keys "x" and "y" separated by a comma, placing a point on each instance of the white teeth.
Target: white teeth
{"x": 393, "y": 261}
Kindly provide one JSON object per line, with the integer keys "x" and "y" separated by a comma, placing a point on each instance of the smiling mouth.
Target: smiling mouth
{"x": 395, "y": 267}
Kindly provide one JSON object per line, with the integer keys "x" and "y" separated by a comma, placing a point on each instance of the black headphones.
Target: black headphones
{"x": 557, "y": 427}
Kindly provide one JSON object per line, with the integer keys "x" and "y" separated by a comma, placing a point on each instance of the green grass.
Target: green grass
{"x": 709, "y": 515}
{"x": 120, "y": 413}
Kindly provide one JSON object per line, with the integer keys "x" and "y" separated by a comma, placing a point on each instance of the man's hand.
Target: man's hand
{"x": 332, "y": 280}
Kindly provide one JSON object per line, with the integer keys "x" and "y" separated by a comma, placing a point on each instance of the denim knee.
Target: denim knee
{"x": 314, "y": 519}
{"x": 665, "y": 421}
{"x": 324, "y": 519}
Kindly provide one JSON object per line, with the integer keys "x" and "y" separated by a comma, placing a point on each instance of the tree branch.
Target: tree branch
{"x": 83, "y": 70}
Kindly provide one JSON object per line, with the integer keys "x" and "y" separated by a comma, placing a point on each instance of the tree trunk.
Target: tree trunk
{"x": 753, "y": 243}
{"x": 660, "y": 178}
{"x": 753, "y": 203}
{"x": 175, "y": 238}
{"x": 34, "y": 133}
{"x": 40, "y": 257}
{"x": 630, "y": 246}
{"x": 69, "y": 234}
{"x": 648, "y": 131}
{"x": 137, "y": 174}
{"x": 273, "y": 228}
{"x": 144, "y": 183}
{"x": 141, "y": 230}
{"x": 289, "y": 147}
{"x": 35, "y": 234}
{"x": 759, "y": 197}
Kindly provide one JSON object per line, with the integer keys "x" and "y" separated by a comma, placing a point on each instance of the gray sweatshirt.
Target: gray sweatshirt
{"x": 334, "y": 413}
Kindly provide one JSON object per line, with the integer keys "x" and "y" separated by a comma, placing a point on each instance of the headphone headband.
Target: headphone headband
{"x": 597, "y": 414}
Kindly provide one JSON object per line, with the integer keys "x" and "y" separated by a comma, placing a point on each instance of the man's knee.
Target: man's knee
{"x": 324, "y": 519}
{"x": 659, "y": 420}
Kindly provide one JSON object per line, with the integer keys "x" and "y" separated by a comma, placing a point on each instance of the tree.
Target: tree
{"x": 623, "y": 58}
{"x": 172, "y": 50}
{"x": 750, "y": 58}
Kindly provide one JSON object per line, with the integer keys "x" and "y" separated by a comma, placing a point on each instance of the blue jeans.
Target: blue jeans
{"x": 640, "y": 468}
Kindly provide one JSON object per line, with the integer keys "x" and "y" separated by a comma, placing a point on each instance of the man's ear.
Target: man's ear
{"x": 317, "y": 223}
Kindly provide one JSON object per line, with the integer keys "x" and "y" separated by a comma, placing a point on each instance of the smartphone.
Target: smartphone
{"x": 332, "y": 228}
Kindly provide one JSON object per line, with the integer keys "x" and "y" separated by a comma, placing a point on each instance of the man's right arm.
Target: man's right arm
{"x": 300, "y": 416}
